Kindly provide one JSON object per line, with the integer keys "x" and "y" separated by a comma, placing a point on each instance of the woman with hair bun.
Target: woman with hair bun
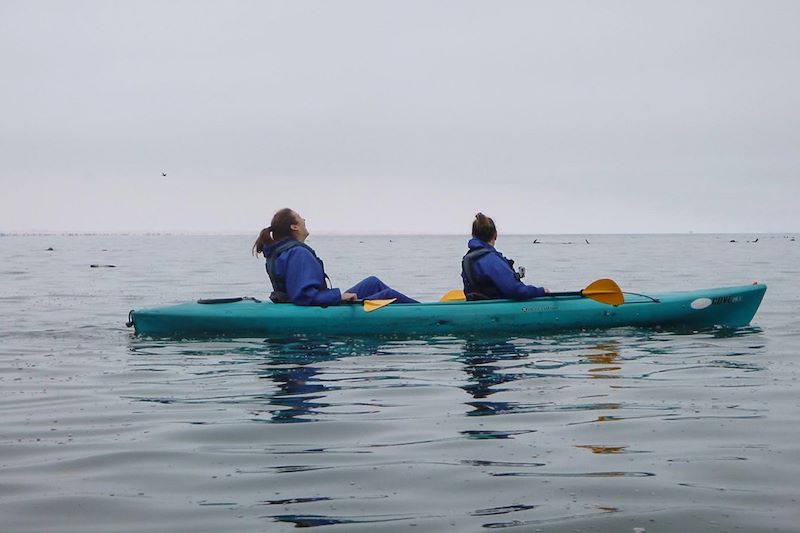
{"x": 486, "y": 273}
{"x": 298, "y": 275}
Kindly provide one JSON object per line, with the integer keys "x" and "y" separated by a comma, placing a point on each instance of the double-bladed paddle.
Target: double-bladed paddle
{"x": 603, "y": 290}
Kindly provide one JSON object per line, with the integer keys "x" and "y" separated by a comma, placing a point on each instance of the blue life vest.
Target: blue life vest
{"x": 279, "y": 294}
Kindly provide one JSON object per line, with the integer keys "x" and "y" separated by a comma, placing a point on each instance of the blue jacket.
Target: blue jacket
{"x": 492, "y": 270}
{"x": 302, "y": 273}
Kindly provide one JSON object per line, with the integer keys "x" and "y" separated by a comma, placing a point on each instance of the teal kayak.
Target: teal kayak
{"x": 724, "y": 307}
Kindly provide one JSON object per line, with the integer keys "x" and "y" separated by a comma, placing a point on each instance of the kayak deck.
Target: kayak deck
{"x": 725, "y": 307}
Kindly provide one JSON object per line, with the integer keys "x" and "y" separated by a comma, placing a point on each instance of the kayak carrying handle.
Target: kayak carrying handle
{"x": 227, "y": 300}
{"x": 129, "y": 323}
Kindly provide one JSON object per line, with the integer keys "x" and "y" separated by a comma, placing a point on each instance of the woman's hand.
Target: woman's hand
{"x": 349, "y": 297}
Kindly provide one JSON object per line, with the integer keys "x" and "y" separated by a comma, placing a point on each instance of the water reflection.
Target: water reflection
{"x": 602, "y": 450}
{"x": 483, "y": 375}
{"x": 493, "y": 365}
{"x": 500, "y": 376}
{"x": 294, "y": 367}
{"x": 298, "y": 393}
{"x": 300, "y": 520}
{"x": 608, "y": 354}
{"x": 431, "y": 421}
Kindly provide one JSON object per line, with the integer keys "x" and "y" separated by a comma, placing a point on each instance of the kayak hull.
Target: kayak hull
{"x": 699, "y": 309}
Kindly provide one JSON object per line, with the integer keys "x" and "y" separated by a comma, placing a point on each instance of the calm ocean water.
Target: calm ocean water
{"x": 623, "y": 430}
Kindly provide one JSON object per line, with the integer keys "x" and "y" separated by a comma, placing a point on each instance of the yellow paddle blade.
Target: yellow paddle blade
{"x": 455, "y": 295}
{"x": 604, "y": 291}
{"x": 372, "y": 305}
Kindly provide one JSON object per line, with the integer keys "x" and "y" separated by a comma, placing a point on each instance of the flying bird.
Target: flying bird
{"x": 163, "y": 173}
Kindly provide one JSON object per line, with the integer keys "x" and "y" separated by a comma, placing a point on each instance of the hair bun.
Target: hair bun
{"x": 483, "y": 228}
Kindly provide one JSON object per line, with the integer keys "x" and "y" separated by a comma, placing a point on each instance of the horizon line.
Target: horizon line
{"x": 47, "y": 233}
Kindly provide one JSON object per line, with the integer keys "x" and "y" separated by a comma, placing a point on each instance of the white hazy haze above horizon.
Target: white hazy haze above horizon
{"x": 400, "y": 117}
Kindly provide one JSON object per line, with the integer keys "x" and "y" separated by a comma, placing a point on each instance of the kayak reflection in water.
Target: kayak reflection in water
{"x": 486, "y": 273}
{"x": 298, "y": 275}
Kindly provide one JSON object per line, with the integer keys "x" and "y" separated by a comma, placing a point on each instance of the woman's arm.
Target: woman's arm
{"x": 496, "y": 269}
{"x": 303, "y": 277}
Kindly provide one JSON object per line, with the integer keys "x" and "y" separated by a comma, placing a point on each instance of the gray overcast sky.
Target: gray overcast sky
{"x": 400, "y": 117}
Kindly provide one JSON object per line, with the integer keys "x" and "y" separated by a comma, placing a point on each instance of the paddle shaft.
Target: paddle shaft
{"x": 572, "y": 293}
{"x": 605, "y": 291}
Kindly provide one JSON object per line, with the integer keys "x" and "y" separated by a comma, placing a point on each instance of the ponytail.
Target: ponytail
{"x": 483, "y": 228}
{"x": 280, "y": 228}
{"x": 264, "y": 239}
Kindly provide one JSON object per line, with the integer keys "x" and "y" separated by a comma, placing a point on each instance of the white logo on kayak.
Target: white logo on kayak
{"x": 701, "y": 303}
{"x": 539, "y": 309}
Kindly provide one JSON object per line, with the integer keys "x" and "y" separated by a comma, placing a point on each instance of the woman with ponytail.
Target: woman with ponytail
{"x": 298, "y": 275}
{"x": 486, "y": 273}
